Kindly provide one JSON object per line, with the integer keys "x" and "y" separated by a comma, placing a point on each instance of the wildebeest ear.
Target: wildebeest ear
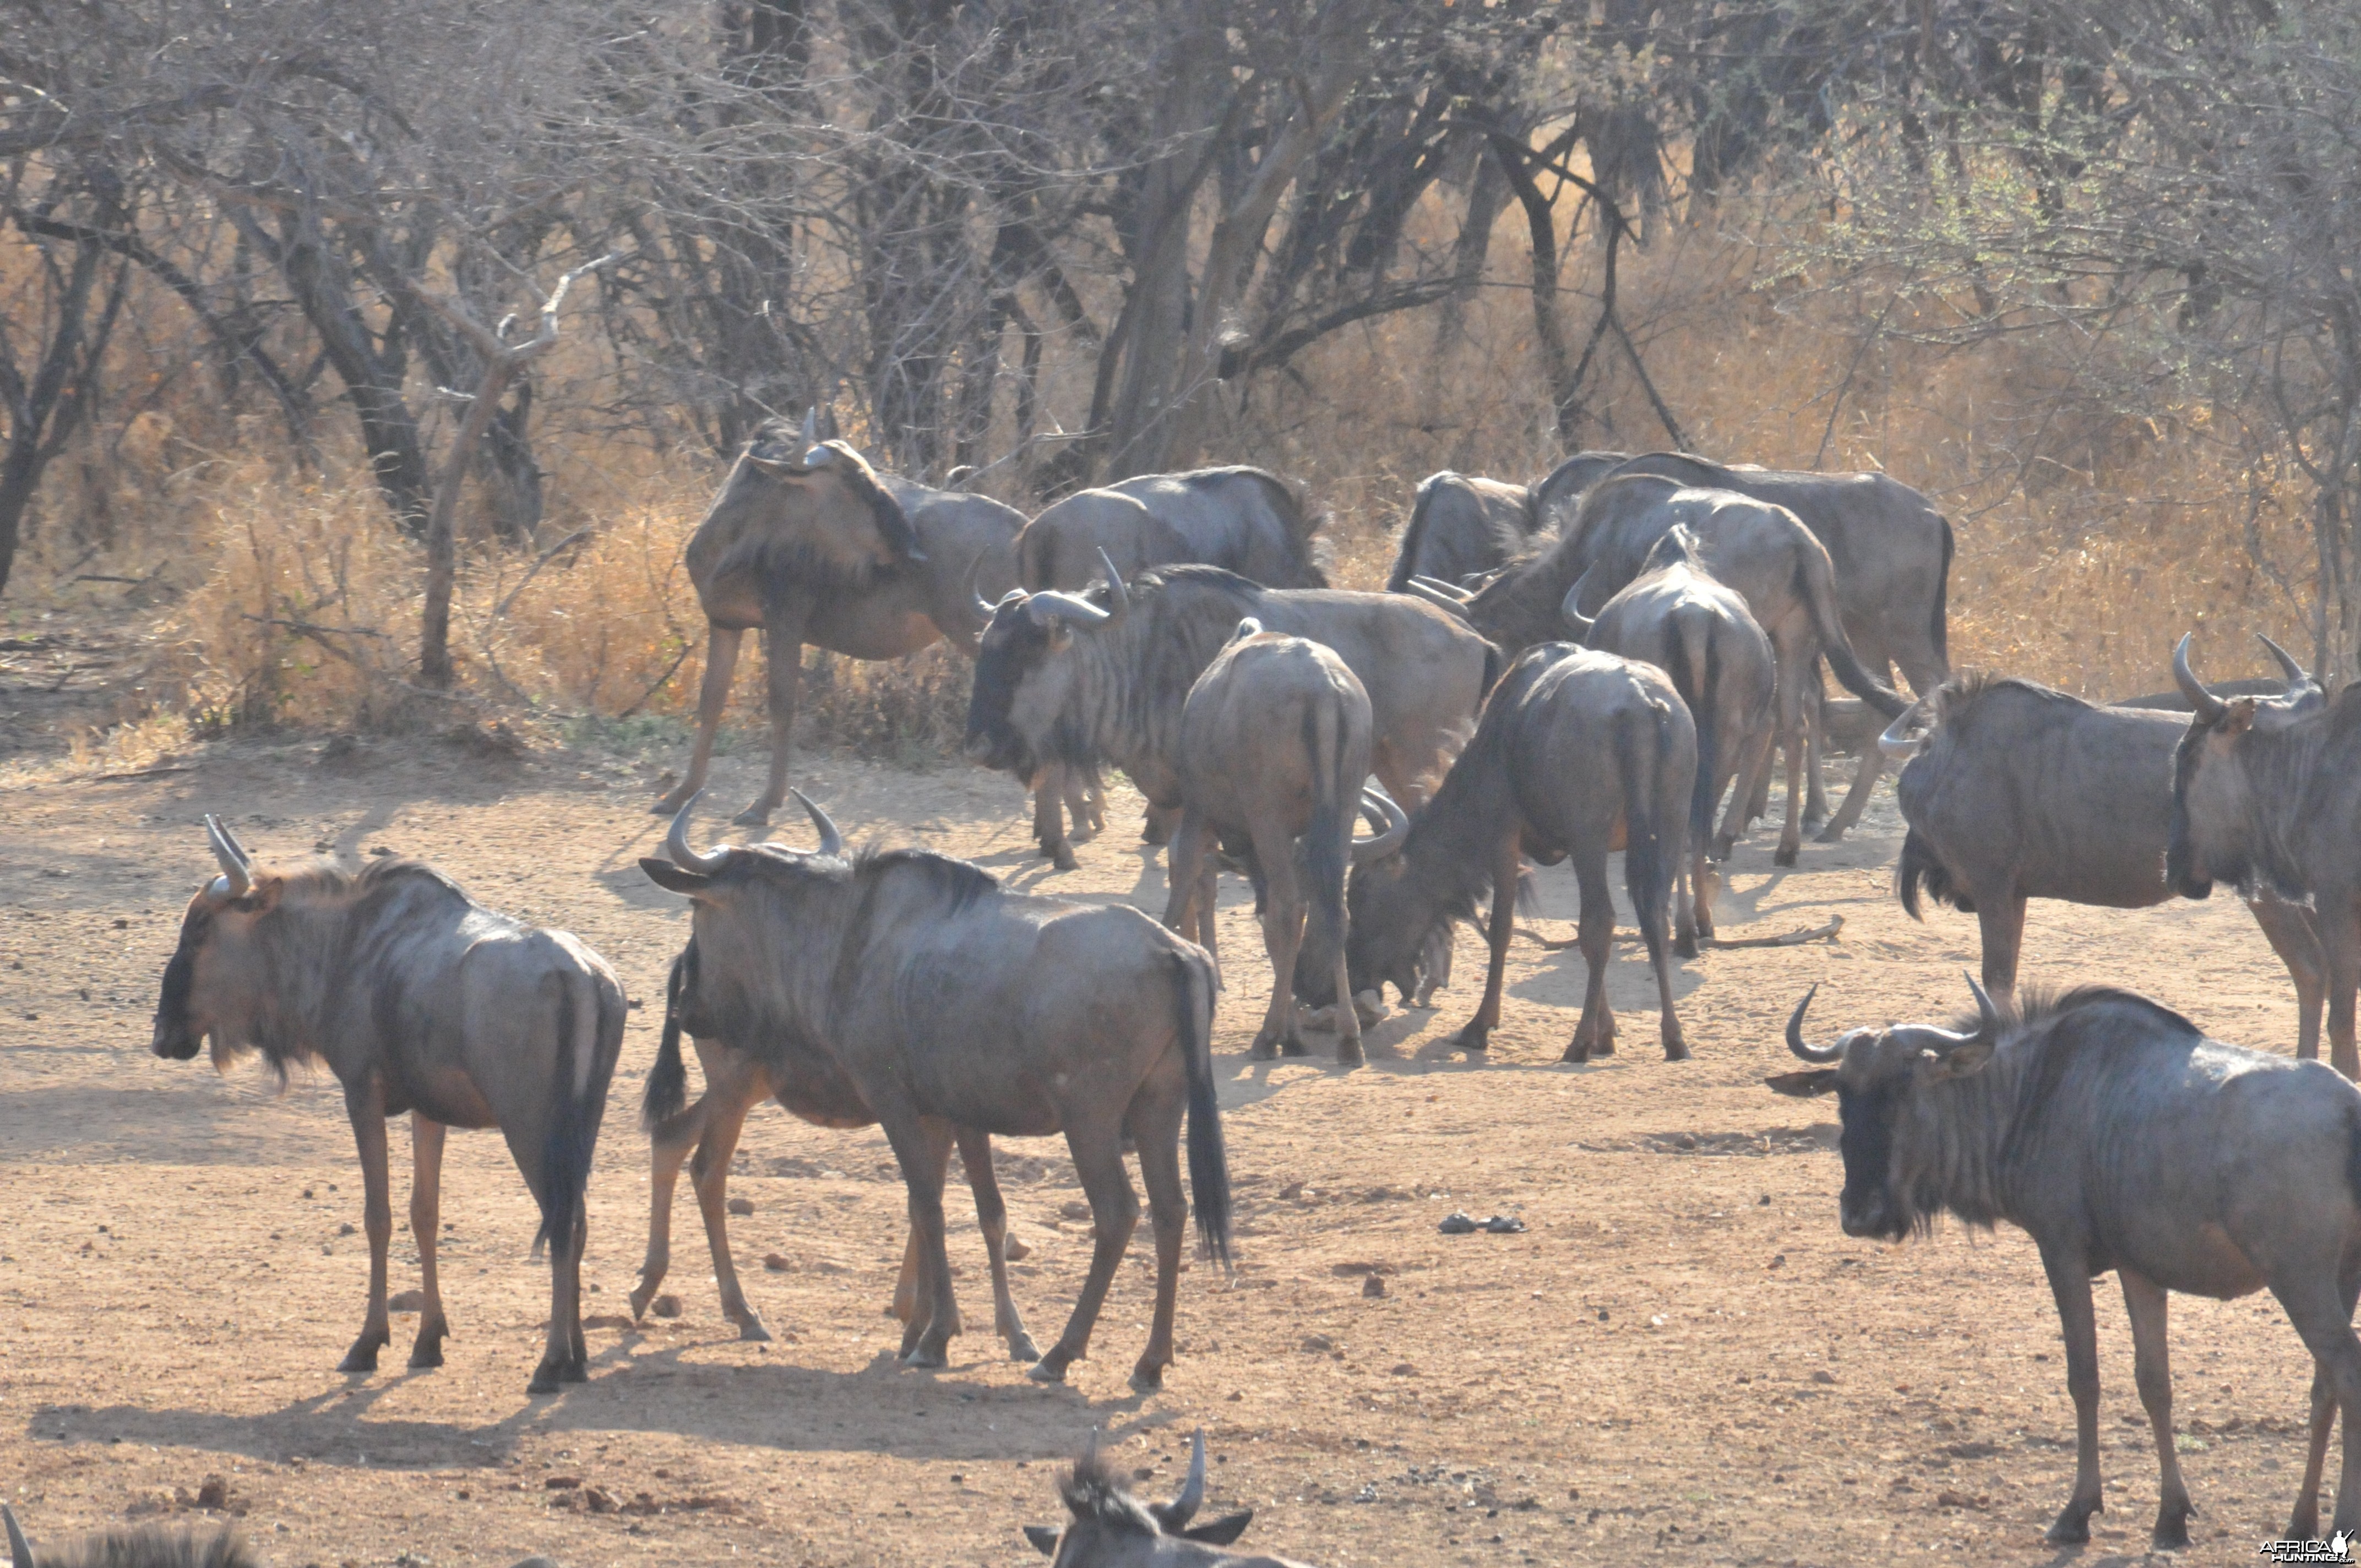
{"x": 2239, "y": 718}
{"x": 1804, "y": 1085}
{"x": 1960, "y": 1060}
{"x": 1220, "y": 1531}
{"x": 1044, "y": 1539}
{"x": 664, "y": 874}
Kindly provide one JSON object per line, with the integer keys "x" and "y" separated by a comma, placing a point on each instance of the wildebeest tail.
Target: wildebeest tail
{"x": 1642, "y": 744}
{"x": 1692, "y": 662}
{"x": 586, "y": 1025}
{"x": 1209, "y": 1161}
{"x": 1939, "y": 634}
{"x": 667, "y": 1089}
{"x": 1335, "y": 801}
{"x": 1816, "y": 585}
{"x": 1920, "y": 869}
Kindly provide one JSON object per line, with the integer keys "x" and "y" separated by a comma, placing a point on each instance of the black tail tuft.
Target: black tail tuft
{"x": 1940, "y": 631}
{"x": 1209, "y": 1161}
{"x": 1646, "y": 872}
{"x": 667, "y": 1089}
{"x": 573, "y": 1135}
{"x": 1920, "y": 869}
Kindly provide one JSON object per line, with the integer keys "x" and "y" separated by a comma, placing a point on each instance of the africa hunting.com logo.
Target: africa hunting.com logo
{"x": 2333, "y": 1550}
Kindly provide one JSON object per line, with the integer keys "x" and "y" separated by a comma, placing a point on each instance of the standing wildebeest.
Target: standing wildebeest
{"x": 149, "y": 1546}
{"x": 810, "y": 1085}
{"x": 2267, "y": 796}
{"x": 1070, "y": 678}
{"x": 1578, "y": 753}
{"x": 1461, "y": 525}
{"x": 1109, "y": 1528}
{"x": 949, "y": 1003}
{"x": 1274, "y": 748}
{"x": 809, "y": 543}
{"x": 2118, "y": 1137}
{"x": 418, "y": 1000}
{"x": 1244, "y": 519}
{"x": 1556, "y": 497}
{"x": 2019, "y": 792}
{"x": 1676, "y": 617}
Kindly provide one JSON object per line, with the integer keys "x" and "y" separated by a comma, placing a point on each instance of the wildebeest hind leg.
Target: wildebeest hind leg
{"x": 426, "y": 1222}
{"x": 783, "y": 658}
{"x": 991, "y": 1219}
{"x": 1097, "y": 1149}
{"x": 1856, "y": 800}
{"x": 1282, "y": 939}
{"x": 721, "y": 662}
{"x": 2303, "y": 1524}
{"x": 2321, "y": 1309}
{"x": 2145, "y": 1300}
{"x": 365, "y": 1105}
{"x": 1155, "y": 1127}
{"x": 2070, "y": 1284}
{"x": 2293, "y": 936}
{"x": 1476, "y": 1035}
{"x": 1594, "y": 1035}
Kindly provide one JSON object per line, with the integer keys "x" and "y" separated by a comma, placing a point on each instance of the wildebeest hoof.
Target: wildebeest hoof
{"x": 1064, "y": 858}
{"x": 1349, "y": 1053}
{"x": 1022, "y": 1348}
{"x": 2072, "y": 1525}
{"x": 544, "y": 1380}
{"x": 1147, "y": 1379}
{"x": 1833, "y": 836}
{"x": 1293, "y": 1045}
{"x": 755, "y": 816}
{"x": 1786, "y": 856}
{"x": 1685, "y": 945}
{"x": 1676, "y": 1050}
{"x": 751, "y": 1328}
{"x": 1577, "y": 1051}
{"x": 1263, "y": 1050}
{"x": 2171, "y": 1532}
{"x": 575, "y": 1370}
{"x": 925, "y": 1359}
{"x": 1047, "y": 1370}
{"x": 425, "y": 1356}
{"x": 362, "y": 1357}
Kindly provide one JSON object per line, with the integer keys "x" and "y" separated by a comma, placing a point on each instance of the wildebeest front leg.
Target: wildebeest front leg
{"x": 1476, "y": 1035}
{"x": 365, "y": 1105}
{"x": 2304, "y": 1523}
{"x": 2144, "y": 1299}
{"x": 721, "y": 647}
{"x": 991, "y": 1219}
{"x": 2321, "y": 1309}
{"x": 2069, "y": 1283}
{"x": 922, "y": 1147}
{"x": 1114, "y": 1214}
{"x": 2000, "y": 921}
{"x": 1594, "y": 1033}
{"x": 2340, "y": 945}
{"x": 425, "y": 1223}
{"x": 2292, "y": 936}
{"x": 911, "y": 1303}
{"x": 1050, "y": 782}
{"x": 783, "y": 659}
{"x": 725, "y": 1106}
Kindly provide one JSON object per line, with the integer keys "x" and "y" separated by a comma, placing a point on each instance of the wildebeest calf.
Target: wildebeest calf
{"x": 2118, "y": 1137}
{"x": 418, "y": 1000}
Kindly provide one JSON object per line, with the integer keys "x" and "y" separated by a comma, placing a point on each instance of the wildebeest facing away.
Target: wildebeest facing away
{"x": 1073, "y": 678}
{"x": 1244, "y": 519}
{"x": 1108, "y": 1528}
{"x": 1460, "y": 525}
{"x": 149, "y": 1546}
{"x": 1275, "y": 750}
{"x": 1676, "y": 617}
{"x": 1555, "y": 498}
{"x": 810, "y": 1085}
{"x": 2267, "y": 796}
{"x": 808, "y": 544}
{"x": 2014, "y": 791}
{"x": 1578, "y": 753}
{"x": 418, "y": 1000}
{"x": 2118, "y": 1137}
{"x": 947, "y": 1001}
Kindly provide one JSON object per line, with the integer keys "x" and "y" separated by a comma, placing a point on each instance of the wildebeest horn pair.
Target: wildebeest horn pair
{"x": 238, "y": 866}
{"x": 677, "y": 849}
{"x": 2208, "y": 708}
{"x": 1987, "y": 1027}
{"x": 1053, "y": 604}
{"x": 1379, "y": 807}
{"x": 1570, "y": 606}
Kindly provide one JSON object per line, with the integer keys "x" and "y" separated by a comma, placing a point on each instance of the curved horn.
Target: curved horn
{"x": 1433, "y": 595}
{"x": 2208, "y": 708}
{"x": 20, "y": 1550}
{"x": 1896, "y": 740}
{"x": 1819, "y": 1055}
{"x": 676, "y": 844}
{"x": 1570, "y": 606}
{"x": 1988, "y": 1015}
{"x": 811, "y": 425}
{"x": 1048, "y": 607}
{"x": 238, "y": 872}
{"x": 1192, "y": 1495}
{"x": 2294, "y": 671}
{"x": 984, "y": 609}
{"x": 1395, "y": 829}
{"x": 1118, "y": 597}
{"x": 1448, "y": 589}
{"x": 831, "y": 842}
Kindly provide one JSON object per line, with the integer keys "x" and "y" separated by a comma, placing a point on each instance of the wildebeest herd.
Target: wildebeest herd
{"x": 1608, "y": 661}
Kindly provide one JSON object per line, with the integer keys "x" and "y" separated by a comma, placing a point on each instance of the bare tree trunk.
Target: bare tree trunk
{"x": 44, "y": 411}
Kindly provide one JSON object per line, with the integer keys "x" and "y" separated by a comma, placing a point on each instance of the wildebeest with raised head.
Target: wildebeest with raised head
{"x": 1461, "y": 524}
{"x": 949, "y": 1002}
{"x": 2118, "y": 1137}
{"x": 1555, "y": 498}
{"x": 1578, "y": 753}
{"x": 1072, "y": 678}
{"x": 2267, "y": 796}
{"x": 808, "y": 1084}
{"x": 148, "y": 1546}
{"x": 1244, "y": 519}
{"x": 1677, "y": 617}
{"x": 1274, "y": 750}
{"x": 420, "y": 1000}
{"x": 2013, "y": 791}
{"x": 808, "y": 544}
{"x": 1108, "y": 1528}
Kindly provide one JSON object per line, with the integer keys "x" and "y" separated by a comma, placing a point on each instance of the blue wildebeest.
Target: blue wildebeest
{"x": 1108, "y": 1528}
{"x": 2013, "y": 791}
{"x": 1244, "y": 519}
{"x": 947, "y": 1001}
{"x": 1461, "y": 525}
{"x": 1274, "y": 750}
{"x": 418, "y": 1000}
{"x": 149, "y": 1546}
{"x": 2267, "y": 796}
{"x": 808, "y": 544}
{"x": 810, "y": 1085}
{"x": 1677, "y": 615}
{"x": 1556, "y": 497}
{"x": 1578, "y": 753}
{"x": 2118, "y": 1137}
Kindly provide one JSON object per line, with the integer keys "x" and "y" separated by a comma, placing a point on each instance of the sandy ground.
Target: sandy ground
{"x": 1683, "y": 1360}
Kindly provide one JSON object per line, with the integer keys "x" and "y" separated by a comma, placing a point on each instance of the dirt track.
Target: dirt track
{"x": 1683, "y": 1361}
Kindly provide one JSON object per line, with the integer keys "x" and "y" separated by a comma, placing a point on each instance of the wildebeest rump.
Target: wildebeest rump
{"x": 808, "y": 544}
{"x": 810, "y": 1085}
{"x": 949, "y": 1002}
{"x": 1244, "y": 519}
{"x": 2118, "y": 1137}
{"x": 1578, "y": 753}
{"x": 1108, "y": 1528}
{"x": 1076, "y": 677}
{"x": 2019, "y": 792}
{"x": 1677, "y": 617}
{"x": 2267, "y": 796}
{"x": 418, "y": 1000}
{"x": 148, "y": 1546}
{"x": 1460, "y": 525}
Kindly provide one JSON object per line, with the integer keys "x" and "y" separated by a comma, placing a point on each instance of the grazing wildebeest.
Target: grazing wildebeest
{"x": 949, "y": 1002}
{"x": 1578, "y": 753}
{"x": 1244, "y": 519}
{"x": 1274, "y": 749}
{"x": 808, "y": 544}
{"x": 810, "y": 1085}
{"x": 1556, "y": 497}
{"x": 149, "y": 1546}
{"x": 1676, "y": 617}
{"x": 1074, "y": 677}
{"x": 2267, "y": 796}
{"x": 2014, "y": 791}
{"x": 1461, "y": 525}
{"x": 1108, "y": 1528}
{"x": 2118, "y": 1137}
{"x": 418, "y": 1000}
{"x": 1761, "y": 552}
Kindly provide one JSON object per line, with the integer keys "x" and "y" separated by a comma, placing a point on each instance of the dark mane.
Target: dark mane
{"x": 2037, "y": 1005}
{"x": 960, "y": 883}
{"x": 1093, "y": 1491}
{"x": 324, "y": 877}
{"x": 1954, "y": 696}
{"x": 1184, "y": 574}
